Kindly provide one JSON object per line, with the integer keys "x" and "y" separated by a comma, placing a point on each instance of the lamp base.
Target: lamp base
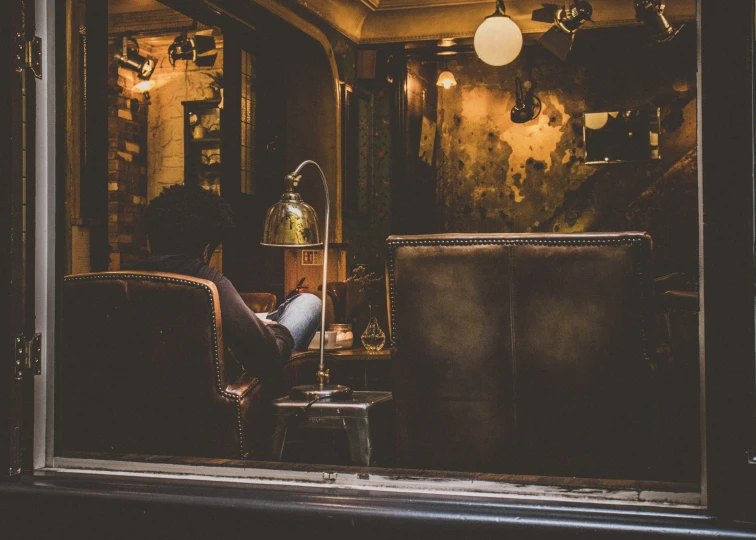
{"x": 308, "y": 392}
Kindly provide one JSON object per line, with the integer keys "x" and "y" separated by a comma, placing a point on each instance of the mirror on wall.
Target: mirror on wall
{"x": 621, "y": 136}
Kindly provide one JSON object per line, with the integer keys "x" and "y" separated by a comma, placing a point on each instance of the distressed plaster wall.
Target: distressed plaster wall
{"x": 497, "y": 176}
{"x": 366, "y": 230}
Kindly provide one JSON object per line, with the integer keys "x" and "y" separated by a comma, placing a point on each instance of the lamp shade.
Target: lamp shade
{"x": 446, "y": 79}
{"x": 498, "y": 40}
{"x": 596, "y": 120}
{"x": 291, "y": 222}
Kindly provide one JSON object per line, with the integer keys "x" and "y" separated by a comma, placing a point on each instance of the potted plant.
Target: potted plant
{"x": 366, "y": 306}
{"x": 216, "y": 85}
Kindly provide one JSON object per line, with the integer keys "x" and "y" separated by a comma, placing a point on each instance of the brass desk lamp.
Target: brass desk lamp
{"x": 293, "y": 223}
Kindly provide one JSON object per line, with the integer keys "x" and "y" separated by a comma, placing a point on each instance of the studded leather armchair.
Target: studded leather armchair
{"x": 142, "y": 369}
{"x": 522, "y": 353}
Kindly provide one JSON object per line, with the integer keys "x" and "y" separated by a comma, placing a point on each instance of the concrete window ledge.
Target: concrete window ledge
{"x": 40, "y": 505}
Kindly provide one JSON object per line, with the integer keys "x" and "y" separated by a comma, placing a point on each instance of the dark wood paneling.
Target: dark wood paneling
{"x": 17, "y": 230}
{"x": 727, "y": 156}
{"x": 94, "y": 186}
{"x": 8, "y": 300}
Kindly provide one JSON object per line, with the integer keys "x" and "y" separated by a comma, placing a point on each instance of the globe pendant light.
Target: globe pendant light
{"x": 498, "y": 40}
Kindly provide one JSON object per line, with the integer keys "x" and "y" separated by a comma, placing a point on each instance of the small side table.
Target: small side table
{"x": 362, "y": 417}
{"x": 363, "y": 370}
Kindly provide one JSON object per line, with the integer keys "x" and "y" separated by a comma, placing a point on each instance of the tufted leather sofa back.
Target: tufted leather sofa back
{"x": 522, "y": 353}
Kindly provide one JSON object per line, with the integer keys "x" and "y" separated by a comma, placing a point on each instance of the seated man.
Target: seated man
{"x": 185, "y": 225}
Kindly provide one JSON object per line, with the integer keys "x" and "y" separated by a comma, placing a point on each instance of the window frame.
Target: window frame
{"x": 727, "y": 235}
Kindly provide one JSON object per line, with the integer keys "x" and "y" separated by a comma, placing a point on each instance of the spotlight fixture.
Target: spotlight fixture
{"x": 527, "y": 105}
{"x": 446, "y": 79}
{"x": 194, "y": 49}
{"x": 130, "y": 59}
{"x": 498, "y": 40}
{"x": 651, "y": 14}
{"x": 145, "y": 87}
{"x": 566, "y": 20}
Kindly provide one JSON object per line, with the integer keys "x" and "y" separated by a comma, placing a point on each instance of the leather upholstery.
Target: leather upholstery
{"x": 259, "y": 302}
{"x": 142, "y": 369}
{"x": 522, "y": 353}
{"x": 680, "y": 381}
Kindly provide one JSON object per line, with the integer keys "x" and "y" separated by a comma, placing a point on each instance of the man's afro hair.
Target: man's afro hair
{"x": 184, "y": 219}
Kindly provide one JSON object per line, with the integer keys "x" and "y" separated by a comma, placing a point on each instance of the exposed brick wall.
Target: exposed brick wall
{"x": 127, "y": 165}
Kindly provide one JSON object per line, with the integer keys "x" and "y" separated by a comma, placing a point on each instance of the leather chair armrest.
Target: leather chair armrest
{"x": 681, "y": 301}
{"x": 300, "y": 369}
{"x": 243, "y": 385}
{"x": 259, "y": 302}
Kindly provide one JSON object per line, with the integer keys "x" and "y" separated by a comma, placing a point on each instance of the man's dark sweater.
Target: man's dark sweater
{"x": 260, "y": 348}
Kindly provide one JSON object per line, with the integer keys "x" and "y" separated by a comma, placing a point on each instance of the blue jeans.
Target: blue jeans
{"x": 301, "y": 315}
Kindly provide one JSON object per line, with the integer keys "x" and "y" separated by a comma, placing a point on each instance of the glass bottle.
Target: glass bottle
{"x": 373, "y": 337}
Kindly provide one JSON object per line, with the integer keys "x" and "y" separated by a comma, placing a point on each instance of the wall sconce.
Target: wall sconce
{"x": 651, "y": 14}
{"x": 190, "y": 48}
{"x": 595, "y": 121}
{"x": 130, "y": 59}
{"x": 566, "y": 21}
{"x": 446, "y": 79}
{"x": 498, "y": 40}
{"x": 527, "y": 105}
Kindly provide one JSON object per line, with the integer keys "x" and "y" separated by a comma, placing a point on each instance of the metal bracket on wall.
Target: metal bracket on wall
{"x": 28, "y": 354}
{"x": 29, "y": 55}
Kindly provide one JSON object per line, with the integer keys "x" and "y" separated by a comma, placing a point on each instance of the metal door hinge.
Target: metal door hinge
{"x": 28, "y": 354}
{"x": 29, "y": 55}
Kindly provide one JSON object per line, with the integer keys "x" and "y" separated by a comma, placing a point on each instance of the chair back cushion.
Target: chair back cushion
{"x": 259, "y": 302}
{"x": 521, "y": 353}
{"x": 141, "y": 367}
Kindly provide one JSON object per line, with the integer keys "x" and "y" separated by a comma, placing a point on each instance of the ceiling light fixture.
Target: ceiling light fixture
{"x": 130, "y": 59}
{"x": 566, "y": 21}
{"x": 193, "y": 48}
{"x": 651, "y": 14}
{"x": 498, "y": 40}
{"x": 446, "y": 47}
{"x": 527, "y": 105}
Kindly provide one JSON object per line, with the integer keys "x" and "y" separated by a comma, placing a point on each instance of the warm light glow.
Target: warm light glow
{"x": 498, "y": 41}
{"x": 596, "y": 120}
{"x": 446, "y": 79}
{"x": 144, "y": 86}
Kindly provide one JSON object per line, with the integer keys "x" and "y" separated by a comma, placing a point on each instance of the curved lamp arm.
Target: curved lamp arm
{"x": 322, "y": 373}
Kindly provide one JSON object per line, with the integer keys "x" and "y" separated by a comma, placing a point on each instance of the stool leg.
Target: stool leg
{"x": 279, "y": 439}
{"x": 358, "y": 434}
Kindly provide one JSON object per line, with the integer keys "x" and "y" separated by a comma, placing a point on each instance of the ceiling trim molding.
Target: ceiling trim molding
{"x": 395, "y": 21}
{"x": 346, "y": 16}
{"x": 371, "y": 4}
{"x": 390, "y": 5}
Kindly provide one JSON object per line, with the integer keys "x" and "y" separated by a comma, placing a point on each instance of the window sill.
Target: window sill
{"x": 645, "y": 495}
{"x": 96, "y": 500}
